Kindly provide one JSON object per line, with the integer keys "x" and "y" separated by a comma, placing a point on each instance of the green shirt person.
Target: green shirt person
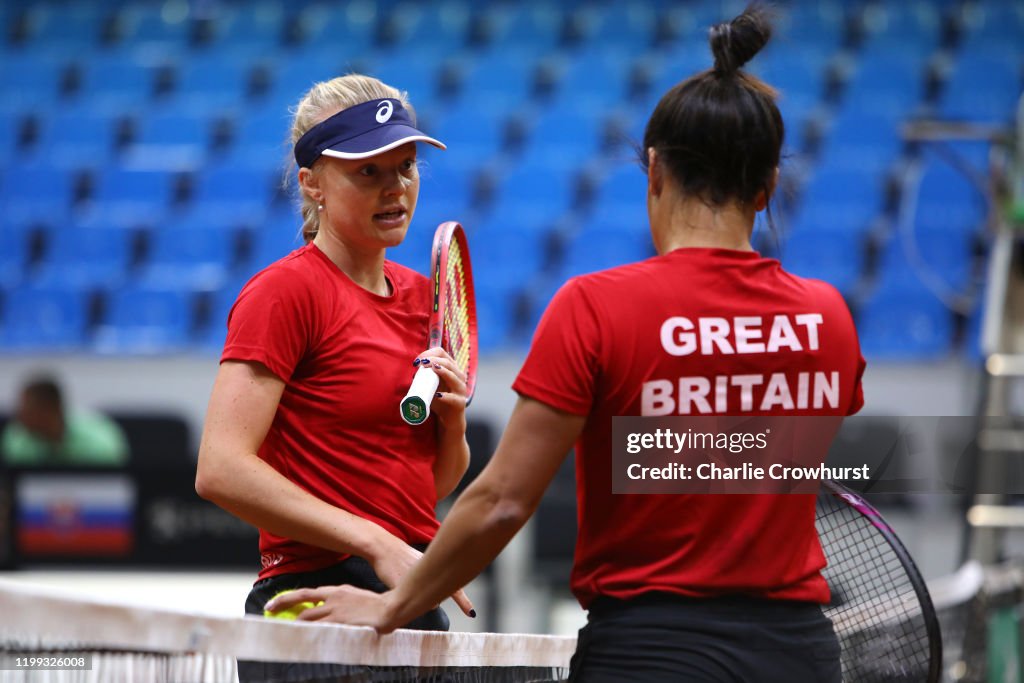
{"x": 42, "y": 433}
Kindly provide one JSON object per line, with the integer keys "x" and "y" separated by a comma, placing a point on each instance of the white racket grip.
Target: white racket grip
{"x": 415, "y": 408}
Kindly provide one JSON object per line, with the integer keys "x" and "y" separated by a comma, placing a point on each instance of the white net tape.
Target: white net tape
{"x": 43, "y": 621}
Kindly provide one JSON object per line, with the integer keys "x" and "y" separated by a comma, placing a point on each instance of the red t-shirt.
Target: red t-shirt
{"x": 656, "y": 338}
{"x": 345, "y": 355}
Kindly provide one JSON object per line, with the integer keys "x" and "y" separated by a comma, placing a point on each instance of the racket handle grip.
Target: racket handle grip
{"x": 415, "y": 407}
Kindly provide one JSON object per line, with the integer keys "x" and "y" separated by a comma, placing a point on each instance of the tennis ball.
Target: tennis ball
{"x": 293, "y": 612}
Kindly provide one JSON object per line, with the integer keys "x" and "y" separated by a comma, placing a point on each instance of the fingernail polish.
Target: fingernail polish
{"x": 416, "y": 362}
{"x": 437, "y": 395}
{"x": 472, "y": 613}
{"x": 437, "y": 366}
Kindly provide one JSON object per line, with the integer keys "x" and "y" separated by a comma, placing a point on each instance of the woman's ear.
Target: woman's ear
{"x": 309, "y": 183}
{"x": 761, "y": 200}
{"x": 655, "y": 173}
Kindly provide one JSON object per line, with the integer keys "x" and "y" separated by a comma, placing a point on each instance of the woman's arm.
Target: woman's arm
{"x": 230, "y": 473}
{"x": 482, "y": 521}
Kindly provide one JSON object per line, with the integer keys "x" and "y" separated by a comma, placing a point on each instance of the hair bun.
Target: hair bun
{"x": 735, "y": 43}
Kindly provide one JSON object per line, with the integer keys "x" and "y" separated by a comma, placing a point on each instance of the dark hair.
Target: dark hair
{"x": 45, "y": 389}
{"x": 719, "y": 133}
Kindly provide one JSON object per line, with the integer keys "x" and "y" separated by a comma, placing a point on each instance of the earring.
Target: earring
{"x": 319, "y": 207}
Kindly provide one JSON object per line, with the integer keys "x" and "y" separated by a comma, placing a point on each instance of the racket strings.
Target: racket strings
{"x": 456, "y": 309}
{"x": 875, "y": 609}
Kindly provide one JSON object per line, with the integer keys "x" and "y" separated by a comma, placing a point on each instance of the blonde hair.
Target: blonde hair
{"x": 325, "y": 99}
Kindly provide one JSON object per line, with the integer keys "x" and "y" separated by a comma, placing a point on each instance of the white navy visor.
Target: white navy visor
{"x": 360, "y": 131}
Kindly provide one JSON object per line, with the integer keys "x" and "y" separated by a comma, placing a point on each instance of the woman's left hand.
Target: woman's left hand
{"x": 450, "y": 406}
{"x": 341, "y": 604}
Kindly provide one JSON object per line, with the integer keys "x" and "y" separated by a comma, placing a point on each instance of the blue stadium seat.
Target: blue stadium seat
{"x": 210, "y": 82}
{"x": 885, "y": 84}
{"x": 329, "y": 27}
{"x": 627, "y": 24}
{"x": 276, "y": 237}
{"x": 995, "y": 23}
{"x": 413, "y": 68}
{"x": 444, "y": 183}
{"x": 86, "y": 256}
{"x": 984, "y": 87}
{"x": 124, "y": 194}
{"x": 499, "y": 79}
{"x": 837, "y": 257}
{"x": 862, "y": 142}
{"x": 144, "y": 320}
{"x": 67, "y": 27}
{"x": 44, "y": 318}
{"x": 566, "y": 130}
{"x": 13, "y": 252}
{"x": 435, "y": 23}
{"x": 624, "y": 184}
{"x": 794, "y": 70}
{"x": 200, "y": 255}
{"x": 937, "y": 257}
{"x": 836, "y": 199}
{"x": 904, "y": 28}
{"x": 490, "y": 244}
{"x": 529, "y": 188}
{"x": 213, "y": 335}
{"x": 896, "y": 325}
{"x": 594, "y": 77}
{"x": 948, "y": 201}
{"x": 10, "y": 130}
{"x": 293, "y": 73}
{"x": 233, "y": 193}
{"x": 816, "y": 23}
{"x": 517, "y": 25}
{"x": 118, "y": 82}
{"x": 260, "y": 138}
{"x": 142, "y": 24}
{"x": 494, "y": 311}
{"x": 170, "y": 140}
{"x": 669, "y": 69}
{"x": 470, "y": 129}
{"x": 35, "y": 190}
{"x": 606, "y": 242}
{"x": 30, "y": 80}
{"x": 257, "y": 28}
{"x": 77, "y": 136}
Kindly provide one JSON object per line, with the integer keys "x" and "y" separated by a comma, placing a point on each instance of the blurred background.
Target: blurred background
{"x": 142, "y": 160}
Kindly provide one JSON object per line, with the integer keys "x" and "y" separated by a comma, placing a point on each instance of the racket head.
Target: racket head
{"x": 881, "y": 610}
{"x": 453, "y": 324}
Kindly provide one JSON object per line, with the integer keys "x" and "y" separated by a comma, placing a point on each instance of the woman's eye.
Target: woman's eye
{"x": 368, "y": 170}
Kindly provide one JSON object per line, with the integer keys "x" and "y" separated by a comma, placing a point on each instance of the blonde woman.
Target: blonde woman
{"x": 302, "y": 436}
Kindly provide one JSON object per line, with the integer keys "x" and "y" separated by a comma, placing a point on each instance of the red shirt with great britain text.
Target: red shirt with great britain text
{"x": 693, "y": 332}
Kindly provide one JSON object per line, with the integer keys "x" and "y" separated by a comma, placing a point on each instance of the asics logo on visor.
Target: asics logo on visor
{"x": 384, "y": 111}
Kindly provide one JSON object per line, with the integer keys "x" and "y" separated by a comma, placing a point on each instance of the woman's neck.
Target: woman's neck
{"x": 365, "y": 268}
{"x": 693, "y": 223}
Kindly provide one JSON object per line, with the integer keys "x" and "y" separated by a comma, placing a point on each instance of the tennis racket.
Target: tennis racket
{"x": 452, "y": 319}
{"x": 880, "y": 609}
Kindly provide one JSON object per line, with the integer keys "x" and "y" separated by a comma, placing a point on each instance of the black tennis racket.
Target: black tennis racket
{"x": 880, "y": 608}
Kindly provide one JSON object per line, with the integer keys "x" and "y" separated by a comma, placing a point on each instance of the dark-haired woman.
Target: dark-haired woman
{"x": 678, "y": 587}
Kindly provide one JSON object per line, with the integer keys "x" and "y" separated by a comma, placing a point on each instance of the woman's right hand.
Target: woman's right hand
{"x": 392, "y": 558}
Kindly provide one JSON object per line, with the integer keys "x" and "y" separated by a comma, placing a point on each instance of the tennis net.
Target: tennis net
{"x": 61, "y": 638}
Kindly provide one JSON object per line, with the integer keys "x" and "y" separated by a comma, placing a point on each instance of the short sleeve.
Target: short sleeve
{"x": 562, "y": 366}
{"x": 271, "y": 322}
{"x": 857, "y": 402}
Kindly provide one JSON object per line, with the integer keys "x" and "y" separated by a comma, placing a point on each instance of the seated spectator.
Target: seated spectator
{"x": 43, "y": 433}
